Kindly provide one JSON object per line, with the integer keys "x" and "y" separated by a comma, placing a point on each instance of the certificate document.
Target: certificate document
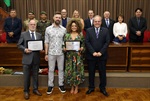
{"x": 35, "y": 45}
{"x": 72, "y": 45}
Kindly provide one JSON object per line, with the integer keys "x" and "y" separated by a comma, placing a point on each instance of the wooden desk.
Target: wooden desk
{"x": 11, "y": 56}
{"x": 122, "y": 57}
{"x": 139, "y": 57}
{"x": 117, "y": 57}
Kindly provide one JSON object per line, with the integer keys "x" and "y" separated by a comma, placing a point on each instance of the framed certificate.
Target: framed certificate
{"x": 35, "y": 45}
{"x": 72, "y": 45}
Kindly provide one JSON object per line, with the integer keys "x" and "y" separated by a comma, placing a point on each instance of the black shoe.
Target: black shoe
{"x": 62, "y": 89}
{"x": 104, "y": 92}
{"x": 90, "y": 91}
{"x": 37, "y": 93}
{"x": 26, "y": 95}
{"x": 49, "y": 90}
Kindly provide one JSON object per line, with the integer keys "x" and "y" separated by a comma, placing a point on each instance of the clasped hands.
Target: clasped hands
{"x": 138, "y": 33}
{"x": 10, "y": 34}
{"x": 97, "y": 54}
{"x": 120, "y": 37}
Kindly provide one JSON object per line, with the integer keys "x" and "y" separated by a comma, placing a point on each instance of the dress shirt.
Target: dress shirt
{"x": 120, "y": 29}
{"x": 91, "y": 20}
{"x": 54, "y": 37}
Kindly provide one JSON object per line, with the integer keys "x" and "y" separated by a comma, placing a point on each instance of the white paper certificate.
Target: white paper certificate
{"x": 35, "y": 45}
{"x": 73, "y": 45}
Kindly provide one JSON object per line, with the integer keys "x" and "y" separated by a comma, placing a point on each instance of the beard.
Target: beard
{"x": 57, "y": 22}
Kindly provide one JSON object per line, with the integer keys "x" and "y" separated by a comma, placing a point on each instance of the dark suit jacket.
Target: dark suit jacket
{"x": 68, "y": 19}
{"x": 97, "y": 45}
{"x": 110, "y": 28}
{"x": 133, "y": 27}
{"x": 16, "y": 27}
{"x": 87, "y": 24}
{"x": 33, "y": 57}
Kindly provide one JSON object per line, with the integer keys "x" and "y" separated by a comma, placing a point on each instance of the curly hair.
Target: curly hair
{"x": 77, "y": 22}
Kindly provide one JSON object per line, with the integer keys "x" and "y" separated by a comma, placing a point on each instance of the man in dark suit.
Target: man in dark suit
{"x": 97, "y": 41}
{"x": 89, "y": 21}
{"x": 64, "y": 18}
{"x": 13, "y": 27}
{"x": 31, "y": 59}
{"x": 137, "y": 26}
{"x": 108, "y": 23}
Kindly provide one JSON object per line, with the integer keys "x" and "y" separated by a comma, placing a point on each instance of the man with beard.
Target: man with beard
{"x": 53, "y": 52}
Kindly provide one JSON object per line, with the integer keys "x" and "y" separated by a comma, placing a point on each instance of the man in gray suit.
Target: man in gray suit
{"x": 64, "y": 17}
{"x": 31, "y": 59}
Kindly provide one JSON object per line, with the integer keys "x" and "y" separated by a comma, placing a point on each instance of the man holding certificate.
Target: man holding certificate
{"x": 74, "y": 48}
{"x": 97, "y": 42}
{"x": 28, "y": 43}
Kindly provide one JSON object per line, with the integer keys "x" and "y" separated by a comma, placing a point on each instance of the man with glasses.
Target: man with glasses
{"x": 64, "y": 17}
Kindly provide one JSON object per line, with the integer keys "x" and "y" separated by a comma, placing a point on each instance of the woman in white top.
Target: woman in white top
{"x": 120, "y": 30}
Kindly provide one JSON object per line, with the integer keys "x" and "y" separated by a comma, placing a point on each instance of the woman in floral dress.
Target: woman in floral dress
{"x": 74, "y": 68}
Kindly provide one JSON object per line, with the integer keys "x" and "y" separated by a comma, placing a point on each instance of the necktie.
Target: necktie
{"x": 97, "y": 32}
{"x": 107, "y": 23}
{"x": 33, "y": 38}
{"x": 138, "y": 20}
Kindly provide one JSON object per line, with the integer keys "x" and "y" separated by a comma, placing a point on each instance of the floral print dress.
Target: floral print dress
{"x": 74, "y": 67}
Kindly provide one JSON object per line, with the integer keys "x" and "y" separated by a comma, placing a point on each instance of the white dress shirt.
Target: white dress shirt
{"x": 91, "y": 20}
{"x": 120, "y": 29}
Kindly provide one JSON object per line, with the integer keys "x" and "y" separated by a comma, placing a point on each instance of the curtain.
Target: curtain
{"x": 116, "y": 7}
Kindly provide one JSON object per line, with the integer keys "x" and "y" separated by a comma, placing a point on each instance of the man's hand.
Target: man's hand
{"x": 99, "y": 54}
{"x": 46, "y": 57}
{"x": 42, "y": 51}
{"x": 27, "y": 51}
{"x": 138, "y": 33}
{"x": 10, "y": 34}
{"x": 94, "y": 54}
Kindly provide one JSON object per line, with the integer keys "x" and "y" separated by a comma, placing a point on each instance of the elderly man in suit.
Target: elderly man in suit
{"x": 13, "y": 27}
{"x": 97, "y": 41}
{"x": 89, "y": 21}
{"x": 137, "y": 26}
{"x": 108, "y": 23}
{"x": 64, "y": 18}
{"x": 31, "y": 59}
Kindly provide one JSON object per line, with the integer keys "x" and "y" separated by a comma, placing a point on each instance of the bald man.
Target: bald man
{"x": 97, "y": 41}
{"x": 31, "y": 59}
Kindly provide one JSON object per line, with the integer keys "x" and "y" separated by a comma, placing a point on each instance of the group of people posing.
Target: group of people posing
{"x": 99, "y": 33}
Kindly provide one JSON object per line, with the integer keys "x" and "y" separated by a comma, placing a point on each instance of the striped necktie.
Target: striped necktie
{"x": 32, "y": 37}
